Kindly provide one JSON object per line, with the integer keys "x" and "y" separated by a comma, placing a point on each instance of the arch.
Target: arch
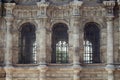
{"x": 91, "y": 43}
{"x": 59, "y": 21}
{"x": 59, "y": 43}
{"x": 27, "y": 43}
{"x": 22, "y": 22}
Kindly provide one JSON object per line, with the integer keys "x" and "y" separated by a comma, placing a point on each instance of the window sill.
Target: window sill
{"x": 56, "y": 64}
{"x": 94, "y": 64}
{"x": 25, "y": 65}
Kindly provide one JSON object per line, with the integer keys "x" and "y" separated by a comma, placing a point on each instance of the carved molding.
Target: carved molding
{"x": 109, "y": 7}
{"x": 9, "y": 8}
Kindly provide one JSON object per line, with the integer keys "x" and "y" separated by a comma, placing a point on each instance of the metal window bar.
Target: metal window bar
{"x": 91, "y": 44}
{"x": 27, "y": 45}
{"x": 60, "y": 43}
{"x": 61, "y": 52}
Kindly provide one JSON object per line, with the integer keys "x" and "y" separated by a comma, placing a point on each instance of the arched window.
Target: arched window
{"x": 59, "y": 43}
{"x": 27, "y": 44}
{"x": 91, "y": 43}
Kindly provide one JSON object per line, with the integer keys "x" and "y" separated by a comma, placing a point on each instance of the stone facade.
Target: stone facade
{"x": 75, "y": 14}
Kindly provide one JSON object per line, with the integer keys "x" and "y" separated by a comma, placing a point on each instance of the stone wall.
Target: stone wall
{"x": 75, "y": 15}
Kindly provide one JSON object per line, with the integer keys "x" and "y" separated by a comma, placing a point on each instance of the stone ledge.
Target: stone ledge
{"x": 25, "y": 65}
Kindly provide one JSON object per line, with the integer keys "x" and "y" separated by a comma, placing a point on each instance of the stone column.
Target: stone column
{"x": 109, "y": 18}
{"x": 9, "y": 18}
{"x": 42, "y": 26}
{"x": 8, "y": 55}
{"x": 119, "y": 31}
{"x": 110, "y": 40}
{"x": 75, "y": 25}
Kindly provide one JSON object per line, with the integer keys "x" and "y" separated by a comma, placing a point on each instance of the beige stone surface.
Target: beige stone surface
{"x": 75, "y": 15}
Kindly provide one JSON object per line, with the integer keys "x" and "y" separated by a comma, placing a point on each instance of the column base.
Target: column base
{"x": 110, "y": 67}
{"x": 77, "y": 67}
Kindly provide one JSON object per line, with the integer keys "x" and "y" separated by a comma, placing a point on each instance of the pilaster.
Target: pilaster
{"x": 9, "y": 18}
{"x": 42, "y": 16}
{"x": 8, "y": 55}
{"x": 119, "y": 26}
{"x": 75, "y": 17}
{"x": 109, "y": 21}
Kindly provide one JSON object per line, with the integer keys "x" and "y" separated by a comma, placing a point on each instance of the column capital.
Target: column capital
{"x": 42, "y": 4}
{"x": 9, "y": 8}
{"x": 75, "y": 7}
{"x": 76, "y": 3}
{"x": 109, "y": 5}
{"x": 9, "y": 5}
{"x": 119, "y": 6}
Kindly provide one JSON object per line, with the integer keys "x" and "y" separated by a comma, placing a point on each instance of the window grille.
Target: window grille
{"x": 59, "y": 44}
{"x": 91, "y": 43}
{"x": 27, "y": 44}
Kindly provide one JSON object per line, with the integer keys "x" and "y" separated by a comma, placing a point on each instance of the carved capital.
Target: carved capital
{"x": 109, "y": 7}
{"x": 42, "y": 4}
{"x": 9, "y": 8}
{"x": 76, "y": 3}
{"x": 75, "y": 7}
{"x": 119, "y": 7}
{"x": 43, "y": 9}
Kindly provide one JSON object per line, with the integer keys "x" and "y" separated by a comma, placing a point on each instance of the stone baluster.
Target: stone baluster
{"x": 8, "y": 55}
{"x": 109, "y": 20}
